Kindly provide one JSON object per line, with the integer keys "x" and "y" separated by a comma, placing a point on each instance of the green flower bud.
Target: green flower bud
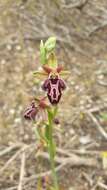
{"x": 50, "y": 44}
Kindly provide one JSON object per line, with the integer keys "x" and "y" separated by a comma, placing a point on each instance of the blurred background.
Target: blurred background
{"x": 80, "y": 27}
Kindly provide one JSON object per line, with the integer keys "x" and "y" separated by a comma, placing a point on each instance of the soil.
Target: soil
{"x": 81, "y": 30}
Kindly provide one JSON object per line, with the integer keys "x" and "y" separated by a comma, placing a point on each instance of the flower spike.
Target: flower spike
{"x": 40, "y": 111}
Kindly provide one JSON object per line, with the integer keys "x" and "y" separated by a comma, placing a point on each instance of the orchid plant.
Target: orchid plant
{"x": 44, "y": 113}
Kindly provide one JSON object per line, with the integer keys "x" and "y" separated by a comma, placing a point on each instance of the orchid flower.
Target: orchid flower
{"x": 37, "y": 110}
{"x": 53, "y": 76}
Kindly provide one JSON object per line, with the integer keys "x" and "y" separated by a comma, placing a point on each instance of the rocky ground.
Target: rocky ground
{"x": 81, "y": 30}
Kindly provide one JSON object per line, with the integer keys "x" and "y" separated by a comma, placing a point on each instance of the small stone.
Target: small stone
{"x": 71, "y": 131}
{"x": 30, "y": 49}
{"x": 3, "y": 61}
{"x": 18, "y": 48}
{"x": 101, "y": 77}
{"x": 72, "y": 188}
{"x": 17, "y": 120}
{"x": 26, "y": 137}
{"x": 9, "y": 47}
{"x": 12, "y": 111}
{"x": 101, "y": 61}
{"x": 85, "y": 140}
{"x": 73, "y": 59}
{"x": 77, "y": 87}
{"x": 66, "y": 135}
{"x": 10, "y": 143}
{"x": 72, "y": 83}
{"x": 82, "y": 102}
{"x": 33, "y": 137}
{"x": 82, "y": 107}
{"x": 88, "y": 106}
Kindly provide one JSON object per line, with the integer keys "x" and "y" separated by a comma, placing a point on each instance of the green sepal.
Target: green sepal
{"x": 42, "y": 53}
{"x": 52, "y": 61}
{"x": 50, "y": 44}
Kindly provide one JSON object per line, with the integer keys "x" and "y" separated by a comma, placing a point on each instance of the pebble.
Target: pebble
{"x": 9, "y": 47}
{"x": 100, "y": 76}
{"x": 85, "y": 139}
{"x": 18, "y": 47}
{"x": 17, "y": 120}
{"x": 71, "y": 188}
{"x": 66, "y": 135}
{"x": 72, "y": 132}
{"x": 82, "y": 107}
{"x": 74, "y": 59}
{"x": 3, "y": 61}
{"x": 72, "y": 83}
{"x": 26, "y": 137}
{"x": 82, "y": 102}
{"x": 12, "y": 111}
{"x": 101, "y": 61}
{"x": 77, "y": 87}
{"x": 30, "y": 49}
{"x": 88, "y": 106}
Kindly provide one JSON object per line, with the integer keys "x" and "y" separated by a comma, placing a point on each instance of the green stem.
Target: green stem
{"x": 50, "y": 150}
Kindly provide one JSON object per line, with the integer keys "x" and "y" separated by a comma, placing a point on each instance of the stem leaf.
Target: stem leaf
{"x": 47, "y": 132}
{"x": 55, "y": 111}
{"x": 53, "y": 150}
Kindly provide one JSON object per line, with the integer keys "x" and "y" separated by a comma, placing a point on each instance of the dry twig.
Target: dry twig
{"x": 73, "y": 160}
{"x": 10, "y": 160}
{"x": 78, "y": 4}
{"x": 99, "y": 127}
{"x": 22, "y": 171}
{"x": 13, "y": 158}
{"x": 102, "y": 185}
{"x": 9, "y": 149}
{"x": 102, "y": 83}
{"x": 42, "y": 174}
{"x": 11, "y": 188}
{"x": 88, "y": 179}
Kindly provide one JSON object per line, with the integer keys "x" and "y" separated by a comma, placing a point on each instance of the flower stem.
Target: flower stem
{"x": 51, "y": 150}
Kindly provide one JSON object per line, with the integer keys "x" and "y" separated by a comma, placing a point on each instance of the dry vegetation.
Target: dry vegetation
{"x": 81, "y": 30}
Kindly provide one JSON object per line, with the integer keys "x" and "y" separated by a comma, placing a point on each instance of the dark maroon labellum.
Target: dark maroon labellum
{"x": 54, "y": 87}
{"x": 31, "y": 112}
